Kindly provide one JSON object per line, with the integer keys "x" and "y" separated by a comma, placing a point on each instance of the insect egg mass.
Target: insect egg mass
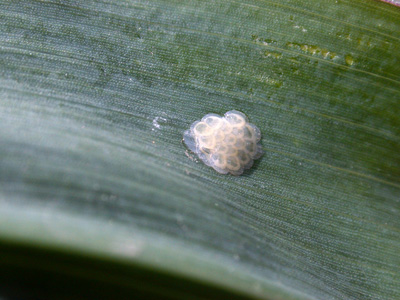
{"x": 229, "y": 144}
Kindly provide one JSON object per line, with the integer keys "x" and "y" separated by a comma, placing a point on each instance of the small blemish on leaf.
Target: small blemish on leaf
{"x": 349, "y": 60}
{"x": 275, "y": 55}
{"x": 313, "y": 50}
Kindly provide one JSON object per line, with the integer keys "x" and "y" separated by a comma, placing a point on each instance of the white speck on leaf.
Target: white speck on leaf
{"x": 156, "y": 124}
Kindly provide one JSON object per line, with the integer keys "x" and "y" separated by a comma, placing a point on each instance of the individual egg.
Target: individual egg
{"x": 228, "y": 144}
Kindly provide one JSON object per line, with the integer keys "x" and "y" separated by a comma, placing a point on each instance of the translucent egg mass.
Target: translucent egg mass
{"x": 229, "y": 144}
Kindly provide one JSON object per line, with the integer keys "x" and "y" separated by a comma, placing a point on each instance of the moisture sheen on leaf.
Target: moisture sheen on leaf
{"x": 95, "y": 97}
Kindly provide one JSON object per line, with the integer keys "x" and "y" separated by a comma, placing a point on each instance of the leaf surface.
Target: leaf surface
{"x": 95, "y": 97}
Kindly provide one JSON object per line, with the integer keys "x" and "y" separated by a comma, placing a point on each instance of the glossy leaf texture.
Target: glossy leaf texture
{"x": 97, "y": 188}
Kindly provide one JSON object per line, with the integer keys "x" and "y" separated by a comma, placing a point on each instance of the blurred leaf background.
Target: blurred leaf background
{"x": 99, "y": 197}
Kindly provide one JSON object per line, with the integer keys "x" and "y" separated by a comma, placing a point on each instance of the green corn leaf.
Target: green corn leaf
{"x": 100, "y": 198}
